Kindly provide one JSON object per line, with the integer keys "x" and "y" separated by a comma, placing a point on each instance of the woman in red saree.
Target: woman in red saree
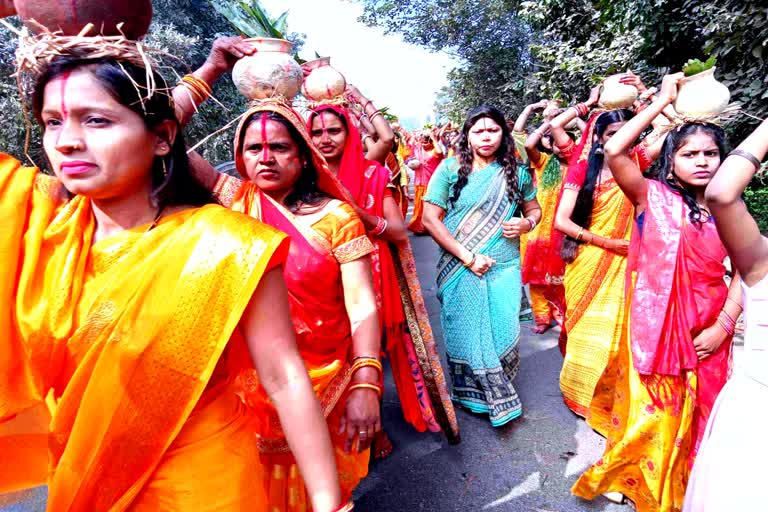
{"x": 407, "y": 339}
{"x": 426, "y": 155}
{"x": 655, "y": 397}
{"x": 330, "y": 289}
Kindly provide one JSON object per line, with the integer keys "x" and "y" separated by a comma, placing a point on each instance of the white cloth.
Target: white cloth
{"x": 729, "y": 474}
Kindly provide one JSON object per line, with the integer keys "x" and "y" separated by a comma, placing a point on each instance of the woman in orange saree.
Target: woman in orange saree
{"x": 426, "y": 155}
{"x": 654, "y": 399}
{"x": 135, "y": 310}
{"x": 407, "y": 334}
{"x": 543, "y": 267}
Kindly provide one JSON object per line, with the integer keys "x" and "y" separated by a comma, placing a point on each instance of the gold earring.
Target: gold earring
{"x": 165, "y": 169}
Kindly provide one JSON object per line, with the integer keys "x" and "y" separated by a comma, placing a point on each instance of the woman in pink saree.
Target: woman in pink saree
{"x": 658, "y": 390}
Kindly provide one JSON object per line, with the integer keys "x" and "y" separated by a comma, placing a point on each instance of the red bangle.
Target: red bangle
{"x": 381, "y": 226}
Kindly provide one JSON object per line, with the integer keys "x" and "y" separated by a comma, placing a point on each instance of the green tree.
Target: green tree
{"x": 490, "y": 41}
{"x": 576, "y": 42}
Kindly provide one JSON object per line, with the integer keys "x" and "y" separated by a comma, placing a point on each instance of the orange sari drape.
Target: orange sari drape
{"x": 324, "y": 338}
{"x": 408, "y": 339}
{"x": 129, "y": 338}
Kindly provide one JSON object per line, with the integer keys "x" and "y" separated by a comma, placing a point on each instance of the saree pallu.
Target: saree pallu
{"x": 399, "y": 182}
{"x": 654, "y": 421}
{"x": 113, "y": 334}
{"x": 323, "y": 335}
{"x": 480, "y": 315}
{"x": 408, "y": 338}
{"x": 595, "y": 298}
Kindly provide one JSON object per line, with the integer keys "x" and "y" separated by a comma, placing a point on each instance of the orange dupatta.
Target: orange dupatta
{"x": 114, "y": 329}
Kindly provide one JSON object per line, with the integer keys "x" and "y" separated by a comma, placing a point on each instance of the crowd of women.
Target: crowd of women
{"x": 648, "y": 206}
{"x": 181, "y": 339}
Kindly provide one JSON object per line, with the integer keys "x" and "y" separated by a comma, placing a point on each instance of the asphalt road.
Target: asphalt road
{"x": 527, "y": 465}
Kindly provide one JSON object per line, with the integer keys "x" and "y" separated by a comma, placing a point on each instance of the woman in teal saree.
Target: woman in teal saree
{"x": 472, "y": 210}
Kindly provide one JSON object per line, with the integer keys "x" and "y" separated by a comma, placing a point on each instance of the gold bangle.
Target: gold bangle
{"x": 366, "y": 385}
{"x": 470, "y": 262}
{"x": 372, "y": 117}
{"x": 198, "y": 87}
{"x": 368, "y": 363}
{"x": 580, "y": 234}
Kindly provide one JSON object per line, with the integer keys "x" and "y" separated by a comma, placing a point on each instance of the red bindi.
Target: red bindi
{"x": 64, "y": 80}
{"x": 264, "y": 141}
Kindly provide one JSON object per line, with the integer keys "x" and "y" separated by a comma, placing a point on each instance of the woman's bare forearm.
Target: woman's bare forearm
{"x": 441, "y": 235}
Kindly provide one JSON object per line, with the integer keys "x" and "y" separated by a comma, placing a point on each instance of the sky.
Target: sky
{"x": 366, "y": 56}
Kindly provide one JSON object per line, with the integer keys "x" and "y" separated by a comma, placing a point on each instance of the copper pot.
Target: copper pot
{"x": 70, "y": 16}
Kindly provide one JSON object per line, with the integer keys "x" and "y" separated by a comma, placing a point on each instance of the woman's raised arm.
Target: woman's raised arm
{"x": 625, "y": 170}
{"x": 738, "y": 230}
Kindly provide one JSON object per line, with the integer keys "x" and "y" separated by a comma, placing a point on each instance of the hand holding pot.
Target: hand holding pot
{"x": 632, "y": 79}
{"x": 226, "y": 51}
{"x": 354, "y": 94}
{"x": 669, "y": 85}
{"x": 594, "y": 95}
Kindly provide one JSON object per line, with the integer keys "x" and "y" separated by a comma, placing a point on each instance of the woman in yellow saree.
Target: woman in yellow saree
{"x": 596, "y": 218}
{"x": 591, "y": 205}
{"x": 135, "y": 312}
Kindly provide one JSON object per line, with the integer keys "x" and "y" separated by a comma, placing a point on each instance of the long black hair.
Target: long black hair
{"x": 172, "y": 181}
{"x": 585, "y": 201}
{"x": 663, "y": 169}
{"x": 305, "y": 190}
{"x": 505, "y": 155}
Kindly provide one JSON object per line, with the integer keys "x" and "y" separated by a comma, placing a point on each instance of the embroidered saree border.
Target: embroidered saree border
{"x": 354, "y": 249}
{"x": 424, "y": 341}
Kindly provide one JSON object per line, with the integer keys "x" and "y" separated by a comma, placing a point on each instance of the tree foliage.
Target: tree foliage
{"x": 575, "y": 42}
{"x": 488, "y": 38}
{"x": 512, "y": 52}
